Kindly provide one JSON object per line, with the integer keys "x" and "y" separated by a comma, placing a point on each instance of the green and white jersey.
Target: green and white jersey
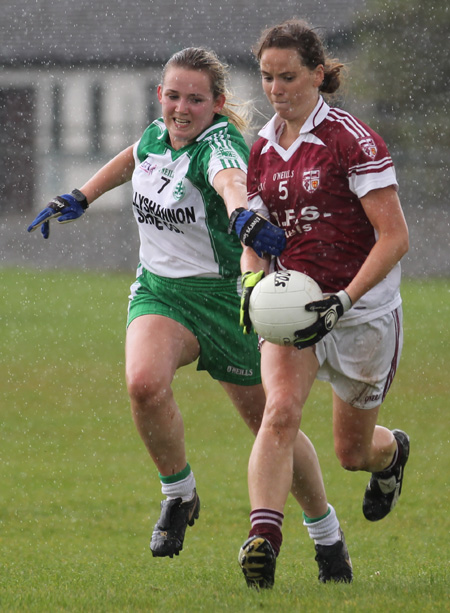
{"x": 182, "y": 220}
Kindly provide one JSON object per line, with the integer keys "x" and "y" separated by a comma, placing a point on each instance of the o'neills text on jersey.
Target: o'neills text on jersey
{"x": 285, "y": 174}
{"x": 161, "y": 217}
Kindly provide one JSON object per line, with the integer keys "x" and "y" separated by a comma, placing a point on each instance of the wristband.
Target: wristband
{"x": 345, "y": 299}
{"x": 80, "y": 198}
{"x": 234, "y": 215}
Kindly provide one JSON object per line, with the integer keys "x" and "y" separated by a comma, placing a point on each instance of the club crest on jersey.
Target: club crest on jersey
{"x": 148, "y": 167}
{"x": 311, "y": 180}
{"x": 368, "y": 146}
{"x": 179, "y": 190}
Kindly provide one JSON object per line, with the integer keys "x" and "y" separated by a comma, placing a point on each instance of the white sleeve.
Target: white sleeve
{"x": 223, "y": 158}
{"x": 363, "y": 180}
{"x": 257, "y": 205}
{"x": 135, "y": 155}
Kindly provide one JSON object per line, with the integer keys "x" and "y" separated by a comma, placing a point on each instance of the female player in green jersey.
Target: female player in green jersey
{"x": 188, "y": 173}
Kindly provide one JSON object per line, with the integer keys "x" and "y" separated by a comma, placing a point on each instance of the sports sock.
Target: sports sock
{"x": 386, "y": 472}
{"x": 267, "y": 523}
{"x": 180, "y": 485}
{"x": 323, "y": 530}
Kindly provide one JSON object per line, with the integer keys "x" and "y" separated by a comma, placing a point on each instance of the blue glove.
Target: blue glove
{"x": 67, "y": 207}
{"x": 256, "y": 232}
{"x": 248, "y": 281}
{"x": 330, "y": 309}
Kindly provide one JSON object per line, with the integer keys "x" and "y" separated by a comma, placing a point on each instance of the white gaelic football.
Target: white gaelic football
{"x": 277, "y": 305}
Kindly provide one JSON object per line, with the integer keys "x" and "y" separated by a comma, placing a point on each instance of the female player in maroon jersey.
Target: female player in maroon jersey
{"x": 328, "y": 180}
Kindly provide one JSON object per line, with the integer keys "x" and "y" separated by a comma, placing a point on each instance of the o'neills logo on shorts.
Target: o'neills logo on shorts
{"x": 372, "y": 398}
{"x": 240, "y": 371}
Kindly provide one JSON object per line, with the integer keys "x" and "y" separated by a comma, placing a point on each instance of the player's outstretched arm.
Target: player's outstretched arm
{"x": 253, "y": 230}
{"x": 116, "y": 172}
{"x": 69, "y": 207}
{"x": 256, "y": 232}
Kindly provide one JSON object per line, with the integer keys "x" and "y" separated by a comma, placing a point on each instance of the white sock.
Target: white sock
{"x": 180, "y": 489}
{"x": 326, "y": 530}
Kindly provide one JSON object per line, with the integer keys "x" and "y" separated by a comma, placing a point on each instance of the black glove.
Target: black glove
{"x": 256, "y": 232}
{"x": 330, "y": 309}
{"x": 67, "y": 207}
{"x": 249, "y": 280}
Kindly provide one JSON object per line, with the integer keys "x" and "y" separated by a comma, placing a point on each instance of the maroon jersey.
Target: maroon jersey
{"x": 312, "y": 190}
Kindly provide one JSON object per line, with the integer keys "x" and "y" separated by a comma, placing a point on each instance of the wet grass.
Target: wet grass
{"x": 79, "y": 496}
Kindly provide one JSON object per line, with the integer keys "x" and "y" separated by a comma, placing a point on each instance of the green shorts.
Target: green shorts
{"x": 209, "y": 308}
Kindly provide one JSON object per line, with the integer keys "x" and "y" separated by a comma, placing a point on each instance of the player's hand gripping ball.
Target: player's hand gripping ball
{"x": 330, "y": 309}
{"x": 249, "y": 281}
{"x": 67, "y": 207}
{"x": 277, "y": 306}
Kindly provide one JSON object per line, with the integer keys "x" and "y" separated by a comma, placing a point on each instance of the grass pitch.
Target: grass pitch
{"x": 79, "y": 496}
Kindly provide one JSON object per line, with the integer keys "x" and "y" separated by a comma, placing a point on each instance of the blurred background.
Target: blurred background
{"x": 78, "y": 84}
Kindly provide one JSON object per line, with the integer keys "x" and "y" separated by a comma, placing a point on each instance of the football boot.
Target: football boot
{"x": 334, "y": 562}
{"x": 385, "y": 487}
{"x": 257, "y": 560}
{"x": 168, "y": 533}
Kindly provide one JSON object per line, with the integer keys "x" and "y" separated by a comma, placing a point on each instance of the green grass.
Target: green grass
{"x": 79, "y": 496}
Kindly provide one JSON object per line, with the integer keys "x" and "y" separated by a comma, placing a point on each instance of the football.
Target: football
{"x": 277, "y": 305}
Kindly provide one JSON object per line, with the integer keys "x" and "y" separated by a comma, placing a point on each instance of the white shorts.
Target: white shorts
{"x": 360, "y": 361}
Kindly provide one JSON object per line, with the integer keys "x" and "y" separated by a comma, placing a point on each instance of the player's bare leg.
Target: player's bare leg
{"x": 155, "y": 347}
{"x": 250, "y": 402}
{"x": 288, "y": 375}
{"x": 279, "y": 447}
{"x": 358, "y": 442}
{"x": 361, "y": 444}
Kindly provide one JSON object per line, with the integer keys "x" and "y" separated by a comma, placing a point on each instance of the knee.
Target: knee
{"x": 351, "y": 458}
{"x": 282, "y": 417}
{"x": 147, "y": 392}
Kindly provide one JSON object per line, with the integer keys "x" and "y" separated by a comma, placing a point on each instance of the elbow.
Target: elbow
{"x": 404, "y": 244}
{"x": 399, "y": 241}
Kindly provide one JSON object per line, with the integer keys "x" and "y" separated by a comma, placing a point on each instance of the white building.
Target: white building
{"x": 78, "y": 79}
